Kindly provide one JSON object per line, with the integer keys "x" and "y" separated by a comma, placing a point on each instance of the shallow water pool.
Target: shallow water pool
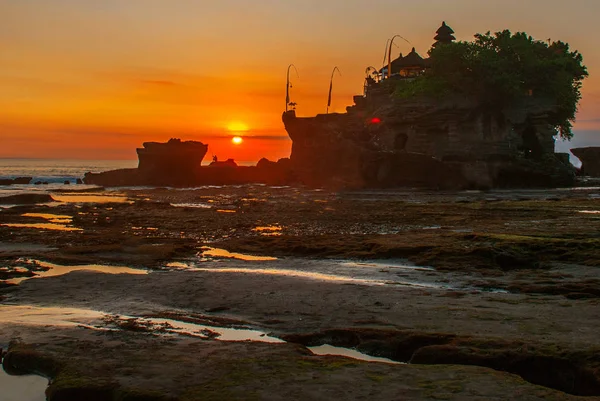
{"x": 22, "y": 388}
{"x": 60, "y": 270}
{"x": 349, "y": 353}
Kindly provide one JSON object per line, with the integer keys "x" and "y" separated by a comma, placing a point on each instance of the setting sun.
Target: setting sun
{"x": 237, "y": 140}
{"x": 237, "y": 126}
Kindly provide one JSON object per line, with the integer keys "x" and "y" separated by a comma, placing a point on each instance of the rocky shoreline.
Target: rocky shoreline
{"x": 493, "y": 307}
{"x": 16, "y": 181}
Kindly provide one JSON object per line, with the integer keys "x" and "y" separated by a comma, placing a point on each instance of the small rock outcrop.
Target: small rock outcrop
{"x": 177, "y": 164}
{"x": 16, "y": 181}
{"x": 173, "y": 157}
{"x": 26, "y": 199}
{"x": 174, "y": 163}
{"x": 590, "y": 159}
{"x": 226, "y": 163}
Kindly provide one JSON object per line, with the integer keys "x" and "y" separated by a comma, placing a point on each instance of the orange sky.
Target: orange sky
{"x": 94, "y": 79}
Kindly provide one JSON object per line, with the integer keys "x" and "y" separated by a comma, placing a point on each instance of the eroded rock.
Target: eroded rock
{"x": 16, "y": 181}
{"x": 590, "y": 159}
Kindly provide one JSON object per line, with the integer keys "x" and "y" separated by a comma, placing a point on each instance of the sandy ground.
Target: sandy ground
{"x": 509, "y": 282}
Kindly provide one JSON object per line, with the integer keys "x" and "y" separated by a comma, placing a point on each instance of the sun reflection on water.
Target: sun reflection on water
{"x": 91, "y": 198}
{"x": 42, "y": 226}
{"x": 59, "y": 270}
{"x": 223, "y": 253}
{"x": 56, "y": 222}
{"x": 269, "y": 230}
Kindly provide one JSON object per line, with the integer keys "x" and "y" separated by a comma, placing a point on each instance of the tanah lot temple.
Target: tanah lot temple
{"x": 413, "y": 65}
{"x": 451, "y": 142}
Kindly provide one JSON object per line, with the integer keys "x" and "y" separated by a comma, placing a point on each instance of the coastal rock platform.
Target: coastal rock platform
{"x": 469, "y": 287}
{"x": 16, "y": 181}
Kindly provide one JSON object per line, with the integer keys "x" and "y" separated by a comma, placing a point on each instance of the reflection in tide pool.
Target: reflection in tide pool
{"x": 393, "y": 272}
{"x": 43, "y": 316}
{"x": 178, "y": 265}
{"x": 296, "y": 273}
{"x": 192, "y": 205}
{"x": 268, "y": 230}
{"x": 91, "y": 198}
{"x": 350, "y": 353}
{"x": 59, "y": 270}
{"x": 384, "y": 265}
{"x": 91, "y": 319}
{"x": 95, "y": 320}
{"x": 210, "y": 332}
{"x": 56, "y": 222}
{"x": 22, "y": 388}
{"x": 222, "y": 253}
{"x": 52, "y": 218}
{"x": 42, "y": 226}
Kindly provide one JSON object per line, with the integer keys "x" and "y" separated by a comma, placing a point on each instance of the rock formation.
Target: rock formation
{"x": 16, "y": 181}
{"x": 177, "y": 164}
{"x": 25, "y": 199}
{"x": 227, "y": 163}
{"x": 174, "y": 158}
{"x": 443, "y": 122}
{"x": 387, "y": 142}
{"x": 173, "y": 163}
{"x": 590, "y": 159}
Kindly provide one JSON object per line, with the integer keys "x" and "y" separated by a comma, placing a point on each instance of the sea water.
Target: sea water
{"x": 60, "y": 170}
{"x": 55, "y": 171}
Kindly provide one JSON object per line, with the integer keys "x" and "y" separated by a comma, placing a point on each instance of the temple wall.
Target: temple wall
{"x": 477, "y": 139}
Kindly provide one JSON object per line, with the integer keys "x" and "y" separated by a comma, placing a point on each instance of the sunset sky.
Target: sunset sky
{"x": 95, "y": 78}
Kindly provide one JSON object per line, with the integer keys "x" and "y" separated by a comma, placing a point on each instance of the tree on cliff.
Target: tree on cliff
{"x": 502, "y": 68}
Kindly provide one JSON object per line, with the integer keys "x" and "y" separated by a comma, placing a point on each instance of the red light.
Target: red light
{"x": 375, "y": 120}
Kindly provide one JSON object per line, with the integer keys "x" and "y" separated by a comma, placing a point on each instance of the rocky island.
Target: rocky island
{"x": 16, "y": 181}
{"x": 444, "y": 122}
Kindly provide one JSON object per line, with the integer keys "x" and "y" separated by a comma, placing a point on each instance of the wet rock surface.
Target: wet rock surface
{"x": 489, "y": 295}
{"x": 25, "y": 199}
{"x": 246, "y": 371}
{"x": 16, "y": 181}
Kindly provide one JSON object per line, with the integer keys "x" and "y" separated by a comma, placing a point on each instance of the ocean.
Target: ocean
{"x": 57, "y": 171}
{"x": 53, "y": 171}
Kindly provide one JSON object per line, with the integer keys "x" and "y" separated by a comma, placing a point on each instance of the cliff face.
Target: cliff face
{"x": 590, "y": 159}
{"x": 338, "y": 150}
{"x": 455, "y": 143}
